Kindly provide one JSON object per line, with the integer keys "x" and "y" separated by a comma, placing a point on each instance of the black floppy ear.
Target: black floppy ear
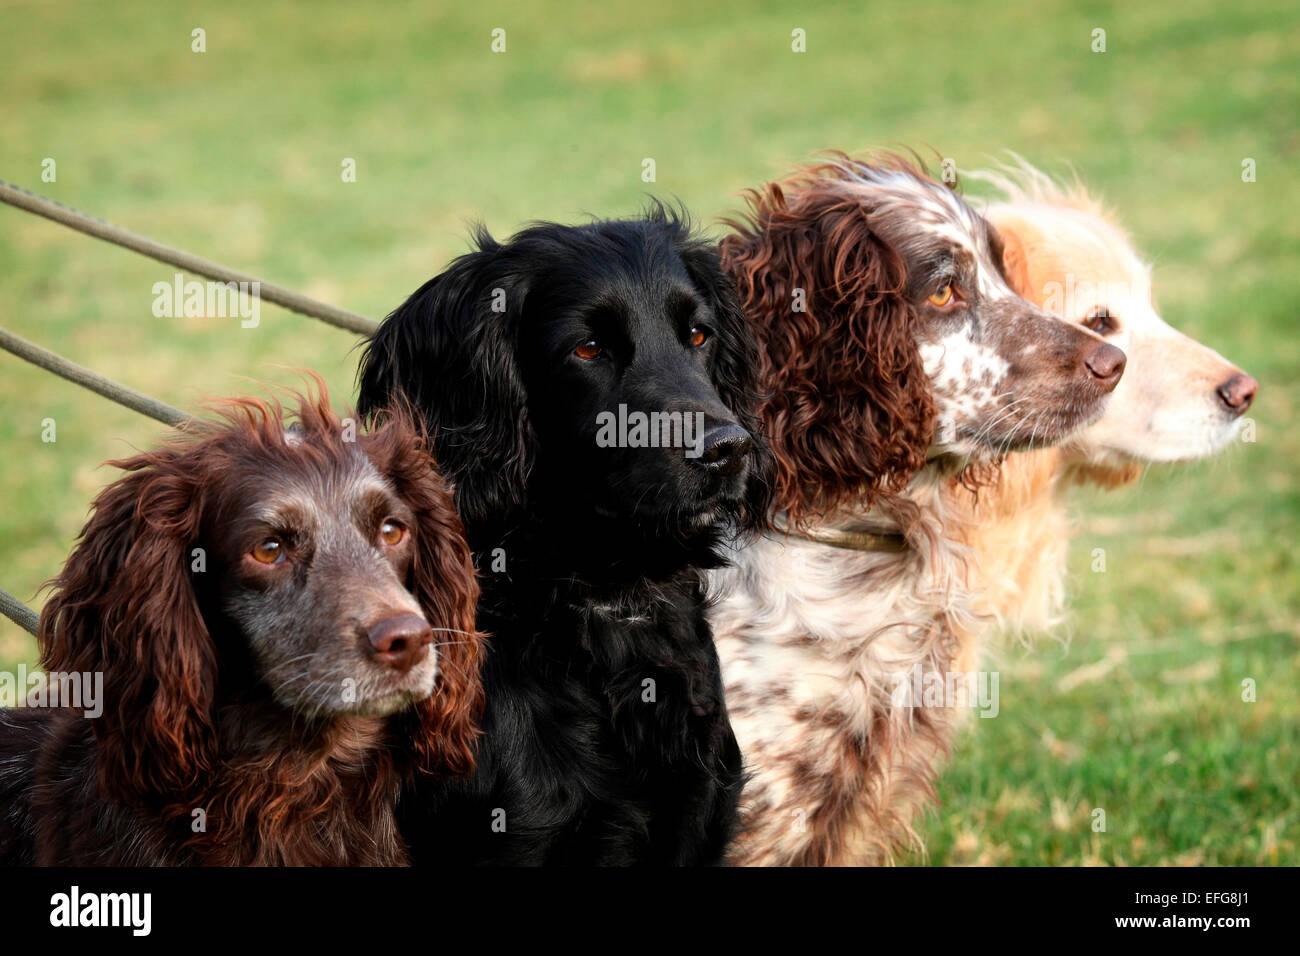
{"x": 451, "y": 350}
{"x": 735, "y": 367}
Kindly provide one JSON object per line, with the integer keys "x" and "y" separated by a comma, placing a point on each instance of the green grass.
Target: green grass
{"x": 235, "y": 154}
{"x": 1142, "y": 715}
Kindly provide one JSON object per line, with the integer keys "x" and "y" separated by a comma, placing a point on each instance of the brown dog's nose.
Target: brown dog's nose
{"x": 1238, "y": 392}
{"x": 1106, "y": 364}
{"x": 400, "y": 642}
{"x": 725, "y": 449}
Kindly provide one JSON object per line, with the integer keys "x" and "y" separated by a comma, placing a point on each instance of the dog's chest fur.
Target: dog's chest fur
{"x": 605, "y": 735}
{"x": 325, "y": 805}
{"x": 814, "y": 642}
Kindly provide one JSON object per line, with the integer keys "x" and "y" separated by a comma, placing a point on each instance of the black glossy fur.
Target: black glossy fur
{"x": 606, "y": 739}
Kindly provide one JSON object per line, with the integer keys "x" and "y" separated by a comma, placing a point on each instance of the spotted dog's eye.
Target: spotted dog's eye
{"x": 941, "y": 296}
{"x": 391, "y": 533}
{"x": 588, "y": 349}
{"x": 1101, "y": 321}
{"x": 699, "y": 335}
{"x": 270, "y": 551}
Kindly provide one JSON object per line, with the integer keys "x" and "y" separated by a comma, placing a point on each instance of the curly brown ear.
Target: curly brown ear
{"x": 443, "y": 728}
{"x": 446, "y": 588}
{"x": 124, "y": 606}
{"x": 848, "y": 411}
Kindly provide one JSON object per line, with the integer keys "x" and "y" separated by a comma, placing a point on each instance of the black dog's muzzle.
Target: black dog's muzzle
{"x": 725, "y": 448}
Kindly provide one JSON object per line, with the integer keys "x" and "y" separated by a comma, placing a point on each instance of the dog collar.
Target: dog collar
{"x": 848, "y": 540}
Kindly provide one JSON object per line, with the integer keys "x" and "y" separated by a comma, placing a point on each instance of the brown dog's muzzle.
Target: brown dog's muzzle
{"x": 1060, "y": 353}
{"x": 401, "y": 642}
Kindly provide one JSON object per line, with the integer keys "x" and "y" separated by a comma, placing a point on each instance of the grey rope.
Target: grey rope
{"x": 294, "y": 301}
{"x": 52, "y": 362}
{"x": 18, "y": 612}
{"x": 12, "y": 608}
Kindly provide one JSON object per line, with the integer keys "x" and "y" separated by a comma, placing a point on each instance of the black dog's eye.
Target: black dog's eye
{"x": 1101, "y": 321}
{"x": 699, "y": 335}
{"x": 588, "y": 349}
{"x": 270, "y": 551}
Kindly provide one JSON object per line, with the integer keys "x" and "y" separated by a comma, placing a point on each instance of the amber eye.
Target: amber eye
{"x": 587, "y": 350}
{"x": 269, "y": 551}
{"x": 699, "y": 335}
{"x": 1101, "y": 321}
{"x": 941, "y": 296}
{"x": 391, "y": 533}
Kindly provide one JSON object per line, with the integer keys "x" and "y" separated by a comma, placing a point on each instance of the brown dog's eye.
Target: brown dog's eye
{"x": 391, "y": 533}
{"x": 269, "y": 551}
{"x": 941, "y": 296}
{"x": 1101, "y": 321}
{"x": 699, "y": 335}
{"x": 587, "y": 350}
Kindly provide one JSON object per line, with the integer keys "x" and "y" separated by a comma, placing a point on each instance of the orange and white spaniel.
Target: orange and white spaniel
{"x": 1178, "y": 400}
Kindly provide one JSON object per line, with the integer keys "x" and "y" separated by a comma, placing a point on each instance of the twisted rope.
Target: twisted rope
{"x": 294, "y": 301}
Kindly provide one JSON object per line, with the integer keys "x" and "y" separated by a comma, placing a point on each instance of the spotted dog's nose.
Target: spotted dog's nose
{"x": 1106, "y": 364}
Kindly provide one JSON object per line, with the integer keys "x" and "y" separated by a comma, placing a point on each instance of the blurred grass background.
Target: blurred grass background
{"x": 236, "y": 154}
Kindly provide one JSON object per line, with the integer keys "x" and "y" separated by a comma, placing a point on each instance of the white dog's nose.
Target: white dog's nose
{"x": 1238, "y": 392}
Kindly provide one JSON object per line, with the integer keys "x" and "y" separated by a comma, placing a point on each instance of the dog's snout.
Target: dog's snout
{"x": 1106, "y": 364}
{"x": 1238, "y": 392}
{"x": 725, "y": 448}
{"x": 400, "y": 642}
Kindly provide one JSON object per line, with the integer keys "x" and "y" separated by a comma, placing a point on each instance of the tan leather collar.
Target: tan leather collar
{"x": 848, "y": 540}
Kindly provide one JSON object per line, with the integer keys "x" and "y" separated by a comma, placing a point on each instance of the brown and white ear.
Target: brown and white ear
{"x": 1009, "y": 253}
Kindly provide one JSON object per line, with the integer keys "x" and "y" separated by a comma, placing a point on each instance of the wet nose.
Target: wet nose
{"x": 401, "y": 642}
{"x": 1238, "y": 392}
{"x": 725, "y": 448}
{"x": 1106, "y": 364}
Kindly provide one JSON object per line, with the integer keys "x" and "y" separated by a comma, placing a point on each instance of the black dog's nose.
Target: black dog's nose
{"x": 725, "y": 449}
{"x": 400, "y": 642}
{"x": 1106, "y": 363}
{"x": 1238, "y": 392}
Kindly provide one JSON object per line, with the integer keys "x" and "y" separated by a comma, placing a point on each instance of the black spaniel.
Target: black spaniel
{"x": 591, "y": 393}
